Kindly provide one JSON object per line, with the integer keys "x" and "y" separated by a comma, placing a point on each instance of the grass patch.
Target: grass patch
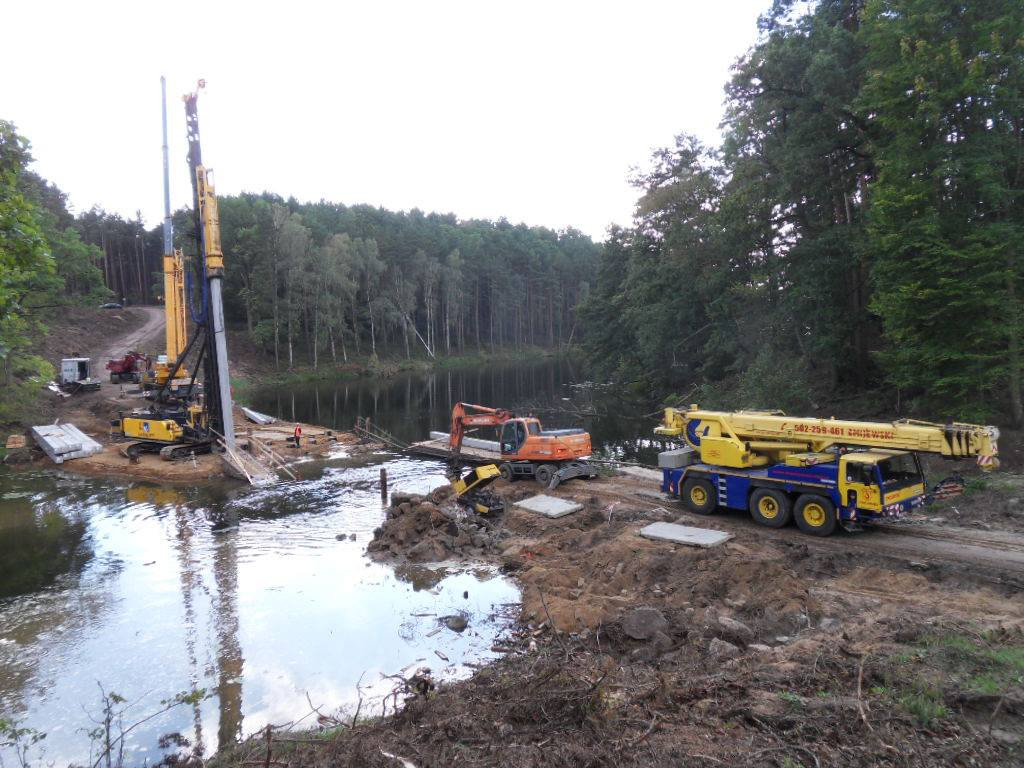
{"x": 793, "y": 700}
{"x": 925, "y": 704}
{"x": 978, "y": 664}
{"x": 942, "y": 665}
{"x": 977, "y": 483}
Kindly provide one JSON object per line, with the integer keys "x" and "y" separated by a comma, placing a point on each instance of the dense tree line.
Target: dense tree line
{"x": 323, "y": 281}
{"x": 44, "y": 264}
{"x": 311, "y": 282}
{"x": 860, "y": 227}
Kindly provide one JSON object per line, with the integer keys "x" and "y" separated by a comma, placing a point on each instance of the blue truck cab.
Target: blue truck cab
{"x": 819, "y": 490}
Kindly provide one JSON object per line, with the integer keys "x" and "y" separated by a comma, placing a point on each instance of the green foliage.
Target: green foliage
{"x": 859, "y": 225}
{"x": 26, "y": 269}
{"x": 744, "y": 270}
{"x": 43, "y": 264}
{"x": 321, "y": 278}
{"x": 925, "y": 704}
{"x": 18, "y": 739}
{"x": 947, "y": 218}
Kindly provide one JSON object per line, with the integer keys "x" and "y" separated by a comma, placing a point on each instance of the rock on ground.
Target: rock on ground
{"x": 433, "y": 529}
{"x": 734, "y": 631}
{"x": 719, "y": 649}
{"x": 644, "y": 623}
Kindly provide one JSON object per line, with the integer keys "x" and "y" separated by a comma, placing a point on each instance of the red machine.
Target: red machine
{"x": 527, "y": 450}
{"x": 128, "y": 368}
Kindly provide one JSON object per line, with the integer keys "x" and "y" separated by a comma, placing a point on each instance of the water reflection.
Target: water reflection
{"x": 260, "y": 599}
{"x": 39, "y": 542}
{"x": 409, "y": 405}
{"x": 188, "y": 585}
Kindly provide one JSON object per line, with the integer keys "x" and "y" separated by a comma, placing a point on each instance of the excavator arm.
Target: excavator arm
{"x": 469, "y": 415}
{"x": 747, "y": 435}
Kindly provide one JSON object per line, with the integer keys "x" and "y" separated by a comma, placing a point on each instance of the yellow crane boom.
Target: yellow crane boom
{"x": 757, "y": 438}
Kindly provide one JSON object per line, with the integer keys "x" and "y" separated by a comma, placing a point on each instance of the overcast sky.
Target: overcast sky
{"x": 534, "y": 111}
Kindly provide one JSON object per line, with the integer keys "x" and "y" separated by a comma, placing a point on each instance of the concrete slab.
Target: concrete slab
{"x": 684, "y": 534}
{"x": 549, "y": 506}
{"x": 469, "y": 442}
{"x": 64, "y": 441}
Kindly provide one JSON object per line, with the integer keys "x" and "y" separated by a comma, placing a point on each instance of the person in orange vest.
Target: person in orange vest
{"x": 298, "y": 434}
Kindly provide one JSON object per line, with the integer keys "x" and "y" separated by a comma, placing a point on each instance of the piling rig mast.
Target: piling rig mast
{"x": 203, "y": 278}
{"x": 175, "y": 331}
{"x": 209, "y": 273}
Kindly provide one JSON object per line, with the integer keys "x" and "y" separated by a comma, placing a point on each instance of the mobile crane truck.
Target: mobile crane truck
{"x": 821, "y": 472}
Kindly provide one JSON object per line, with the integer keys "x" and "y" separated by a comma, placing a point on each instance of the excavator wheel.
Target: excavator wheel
{"x": 505, "y": 470}
{"x": 770, "y": 508}
{"x": 543, "y": 473}
{"x": 815, "y": 515}
{"x": 699, "y": 495}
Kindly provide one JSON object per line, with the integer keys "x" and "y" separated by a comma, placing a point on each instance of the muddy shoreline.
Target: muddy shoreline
{"x": 775, "y": 647}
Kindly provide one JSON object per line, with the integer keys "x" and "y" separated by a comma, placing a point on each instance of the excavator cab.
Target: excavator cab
{"x": 515, "y": 432}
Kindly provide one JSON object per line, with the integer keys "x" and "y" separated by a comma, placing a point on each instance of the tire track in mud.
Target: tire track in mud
{"x": 988, "y": 557}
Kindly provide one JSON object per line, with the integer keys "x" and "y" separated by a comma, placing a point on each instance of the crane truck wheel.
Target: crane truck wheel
{"x": 505, "y": 470}
{"x": 770, "y": 508}
{"x": 815, "y": 515}
{"x": 699, "y": 496}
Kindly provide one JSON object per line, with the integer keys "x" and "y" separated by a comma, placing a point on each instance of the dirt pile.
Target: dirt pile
{"x": 565, "y": 700}
{"x": 586, "y": 574}
{"x": 434, "y": 528}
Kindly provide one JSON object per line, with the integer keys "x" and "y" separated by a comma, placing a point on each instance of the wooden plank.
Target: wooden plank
{"x": 470, "y": 442}
{"x": 439, "y": 449}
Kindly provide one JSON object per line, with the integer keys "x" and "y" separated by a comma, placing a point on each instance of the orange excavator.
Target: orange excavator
{"x": 527, "y": 449}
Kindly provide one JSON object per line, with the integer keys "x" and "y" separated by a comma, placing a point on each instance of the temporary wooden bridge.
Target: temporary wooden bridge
{"x": 474, "y": 451}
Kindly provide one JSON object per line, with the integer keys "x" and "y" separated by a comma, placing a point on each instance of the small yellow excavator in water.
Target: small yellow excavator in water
{"x": 470, "y": 493}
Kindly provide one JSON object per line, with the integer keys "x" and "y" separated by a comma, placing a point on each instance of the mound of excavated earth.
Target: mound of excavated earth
{"x": 434, "y": 528}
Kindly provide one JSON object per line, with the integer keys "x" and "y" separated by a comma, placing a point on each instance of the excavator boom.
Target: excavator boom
{"x": 470, "y": 415}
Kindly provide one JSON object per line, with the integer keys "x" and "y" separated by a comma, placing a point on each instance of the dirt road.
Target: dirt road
{"x": 995, "y": 557}
{"x": 139, "y": 338}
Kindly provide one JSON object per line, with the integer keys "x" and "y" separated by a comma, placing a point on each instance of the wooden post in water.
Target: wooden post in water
{"x": 383, "y": 484}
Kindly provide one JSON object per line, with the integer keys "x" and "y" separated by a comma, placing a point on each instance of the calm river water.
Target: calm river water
{"x": 262, "y": 601}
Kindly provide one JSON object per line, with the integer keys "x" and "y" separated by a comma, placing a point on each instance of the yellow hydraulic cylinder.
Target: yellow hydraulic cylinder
{"x": 174, "y": 304}
{"x": 211, "y": 222}
{"x": 175, "y": 330}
